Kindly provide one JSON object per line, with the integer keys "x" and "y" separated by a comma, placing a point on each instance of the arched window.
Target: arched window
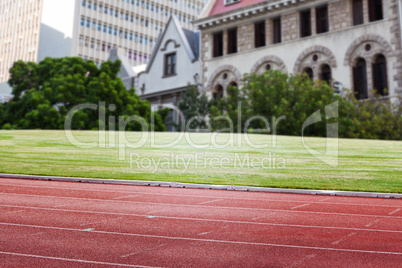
{"x": 218, "y": 92}
{"x": 309, "y": 73}
{"x": 360, "y": 79}
{"x": 380, "y": 82}
{"x": 326, "y": 74}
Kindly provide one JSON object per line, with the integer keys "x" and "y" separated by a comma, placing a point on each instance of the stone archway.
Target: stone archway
{"x": 223, "y": 76}
{"x": 366, "y": 47}
{"x": 315, "y": 57}
{"x": 275, "y": 64}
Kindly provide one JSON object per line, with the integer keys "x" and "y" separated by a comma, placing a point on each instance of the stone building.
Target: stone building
{"x": 356, "y": 43}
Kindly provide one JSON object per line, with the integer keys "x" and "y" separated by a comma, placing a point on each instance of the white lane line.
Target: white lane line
{"x": 207, "y": 202}
{"x": 395, "y": 211}
{"x": 70, "y": 260}
{"x": 154, "y": 211}
{"x": 303, "y": 260}
{"x": 101, "y": 221}
{"x": 200, "y": 196}
{"x": 207, "y": 240}
{"x": 326, "y": 199}
{"x": 344, "y": 238}
{"x": 129, "y": 255}
{"x": 300, "y": 206}
{"x": 38, "y": 233}
{"x": 11, "y": 212}
{"x": 204, "y": 233}
{"x": 372, "y": 223}
{"x": 141, "y": 251}
{"x": 201, "y": 206}
{"x": 213, "y": 220}
{"x": 127, "y": 196}
{"x": 65, "y": 205}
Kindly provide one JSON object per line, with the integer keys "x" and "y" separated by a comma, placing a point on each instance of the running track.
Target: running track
{"x": 62, "y": 224}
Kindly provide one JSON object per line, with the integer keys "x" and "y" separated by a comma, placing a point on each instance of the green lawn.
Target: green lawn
{"x": 364, "y": 165}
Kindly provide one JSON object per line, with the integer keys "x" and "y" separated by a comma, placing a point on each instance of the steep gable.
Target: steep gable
{"x": 188, "y": 38}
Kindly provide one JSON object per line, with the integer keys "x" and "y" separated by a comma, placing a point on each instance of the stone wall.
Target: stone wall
{"x": 269, "y": 39}
{"x": 339, "y": 15}
{"x": 290, "y": 26}
{"x": 245, "y": 37}
{"x": 396, "y": 43}
{"x": 313, "y": 22}
{"x": 204, "y": 54}
{"x": 365, "y": 11}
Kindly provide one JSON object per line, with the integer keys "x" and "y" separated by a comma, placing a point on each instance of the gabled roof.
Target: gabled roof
{"x": 193, "y": 39}
{"x": 217, "y": 13}
{"x": 125, "y": 70}
{"x": 189, "y": 39}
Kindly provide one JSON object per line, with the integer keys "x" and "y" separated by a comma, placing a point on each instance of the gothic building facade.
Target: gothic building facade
{"x": 355, "y": 43}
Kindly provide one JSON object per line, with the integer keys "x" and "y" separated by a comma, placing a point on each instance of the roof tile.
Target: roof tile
{"x": 219, "y": 6}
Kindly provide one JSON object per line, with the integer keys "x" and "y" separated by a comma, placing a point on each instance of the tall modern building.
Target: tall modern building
{"x": 31, "y": 30}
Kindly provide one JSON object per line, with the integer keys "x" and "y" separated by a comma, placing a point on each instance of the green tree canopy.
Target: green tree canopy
{"x": 194, "y": 107}
{"x": 275, "y": 94}
{"x": 45, "y": 92}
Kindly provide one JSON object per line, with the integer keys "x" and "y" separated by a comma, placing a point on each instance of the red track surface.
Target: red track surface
{"x": 60, "y": 224}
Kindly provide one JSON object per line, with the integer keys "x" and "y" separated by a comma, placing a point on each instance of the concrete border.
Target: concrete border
{"x": 204, "y": 186}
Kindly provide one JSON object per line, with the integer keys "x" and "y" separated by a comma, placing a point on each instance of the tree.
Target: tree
{"x": 275, "y": 94}
{"x": 194, "y": 107}
{"x": 44, "y": 93}
{"x": 225, "y": 112}
{"x": 271, "y": 95}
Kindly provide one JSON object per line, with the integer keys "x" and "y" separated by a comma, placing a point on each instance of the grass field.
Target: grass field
{"x": 364, "y": 165}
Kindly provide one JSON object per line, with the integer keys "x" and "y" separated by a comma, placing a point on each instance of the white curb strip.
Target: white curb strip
{"x": 204, "y": 186}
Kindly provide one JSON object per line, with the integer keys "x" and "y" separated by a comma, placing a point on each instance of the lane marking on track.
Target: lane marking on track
{"x": 200, "y": 196}
{"x": 101, "y": 221}
{"x": 372, "y": 223}
{"x": 300, "y": 262}
{"x": 205, "y": 233}
{"x": 11, "y": 212}
{"x": 154, "y": 211}
{"x": 395, "y": 211}
{"x": 141, "y": 251}
{"x": 207, "y": 240}
{"x": 127, "y": 196}
{"x": 300, "y": 206}
{"x": 212, "y": 220}
{"x": 200, "y": 206}
{"x": 38, "y": 233}
{"x": 71, "y": 260}
{"x": 206, "y": 202}
{"x": 344, "y": 238}
{"x": 65, "y": 205}
{"x": 326, "y": 199}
